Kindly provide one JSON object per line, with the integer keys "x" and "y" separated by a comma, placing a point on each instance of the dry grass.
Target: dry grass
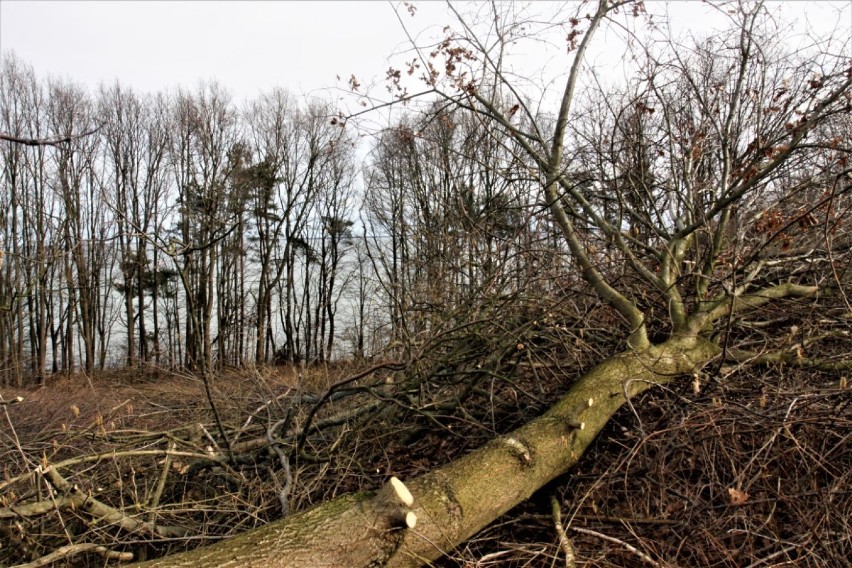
{"x": 130, "y": 420}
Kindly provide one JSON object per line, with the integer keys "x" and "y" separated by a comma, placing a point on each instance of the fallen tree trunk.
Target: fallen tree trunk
{"x": 454, "y": 502}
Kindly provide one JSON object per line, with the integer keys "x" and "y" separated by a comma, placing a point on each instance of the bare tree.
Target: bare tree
{"x": 202, "y": 136}
{"x": 33, "y": 245}
{"x": 135, "y": 150}
{"x": 305, "y": 169}
{"x": 15, "y": 79}
{"x": 695, "y": 145}
{"x": 85, "y": 225}
{"x": 452, "y": 220}
{"x": 272, "y": 133}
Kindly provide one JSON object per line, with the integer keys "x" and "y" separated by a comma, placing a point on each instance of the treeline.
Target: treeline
{"x": 185, "y": 231}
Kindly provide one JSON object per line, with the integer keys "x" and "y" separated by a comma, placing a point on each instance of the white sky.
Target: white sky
{"x": 248, "y": 46}
{"x": 252, "y": 46}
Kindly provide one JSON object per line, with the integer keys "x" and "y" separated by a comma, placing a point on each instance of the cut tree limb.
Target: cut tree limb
{"x": 72, "y": 550}
{"x": 454, "y": 502}
{"x": 87, "y": 503}
{"x": 564, "y": 542}
{"x": 360, "y": 529}
{"x": 747, "y": 302}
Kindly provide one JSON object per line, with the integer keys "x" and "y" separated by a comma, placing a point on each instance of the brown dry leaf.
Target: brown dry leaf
{"x": 737, "y": 497}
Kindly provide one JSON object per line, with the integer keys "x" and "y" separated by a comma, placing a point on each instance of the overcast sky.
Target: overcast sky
{"x": 248, "y": 46}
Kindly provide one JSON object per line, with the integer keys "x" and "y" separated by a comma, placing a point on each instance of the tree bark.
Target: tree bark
{"x": 454, "y": 502}
{"x": 352, "y": 530}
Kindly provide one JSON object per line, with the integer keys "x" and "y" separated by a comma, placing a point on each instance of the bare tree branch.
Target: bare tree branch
{"x": 48, "y": 141}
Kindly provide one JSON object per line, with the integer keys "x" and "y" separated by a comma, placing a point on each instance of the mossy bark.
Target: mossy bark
{"x": 454, "y": 502}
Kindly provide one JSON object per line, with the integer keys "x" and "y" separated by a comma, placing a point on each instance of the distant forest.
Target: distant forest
{"x": 184, "y": 230}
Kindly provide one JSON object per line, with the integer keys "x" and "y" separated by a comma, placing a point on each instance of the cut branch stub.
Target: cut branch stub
{"x": 574, "y": 422}
{"x": 394, "y": 502}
